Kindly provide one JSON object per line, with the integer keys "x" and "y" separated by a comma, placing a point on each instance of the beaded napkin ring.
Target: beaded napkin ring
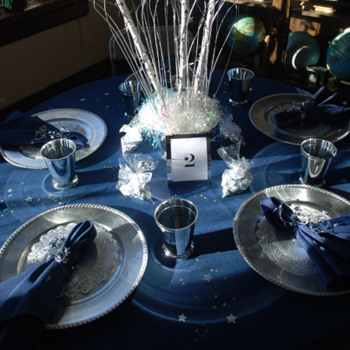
{"x": 44, "y": 133}
{"x": 311, "y": 220}
{"x": 57, "y": 250}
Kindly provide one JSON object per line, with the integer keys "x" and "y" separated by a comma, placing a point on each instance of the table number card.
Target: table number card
{"x": 188, "y": 157}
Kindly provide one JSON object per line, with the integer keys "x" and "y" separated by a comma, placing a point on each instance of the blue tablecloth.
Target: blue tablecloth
{"x": 214, "y": 299}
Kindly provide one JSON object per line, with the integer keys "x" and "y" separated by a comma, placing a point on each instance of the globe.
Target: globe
{"x": 338, "y": 56}
{"x": 302, "y": 51}
{"x": 246, "y": 35}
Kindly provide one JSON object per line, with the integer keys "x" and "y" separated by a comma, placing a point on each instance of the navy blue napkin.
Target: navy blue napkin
{"x": 327, "y": 243}
{"x": 319, "y": 108}
{"x": 27, "y": 299}
{"x": 20, "y": 129}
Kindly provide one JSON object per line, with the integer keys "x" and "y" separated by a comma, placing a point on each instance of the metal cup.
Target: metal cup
{"x": 176, "y": 219}
{"x": 59, "y": 157}
{"x": 316, "y": 156}
{"x": 132, "y": 96}
{"x": 239, "y": 81}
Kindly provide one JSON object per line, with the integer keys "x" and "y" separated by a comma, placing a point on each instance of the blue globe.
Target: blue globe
{"x": 338, "y": 56}
{"x": 302, "y": 51}
{"x": 246, "y": 35}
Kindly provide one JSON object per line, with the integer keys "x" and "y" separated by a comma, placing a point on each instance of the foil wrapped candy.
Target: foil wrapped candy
{"x": 237, "y": 178}
{"x": 134, "y": 174}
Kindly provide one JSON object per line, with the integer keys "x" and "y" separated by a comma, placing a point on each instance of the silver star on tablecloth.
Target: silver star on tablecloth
{"x": 207, "y": 277}
{"x": 182, "y": 318}
{"x": 231, "y": 319}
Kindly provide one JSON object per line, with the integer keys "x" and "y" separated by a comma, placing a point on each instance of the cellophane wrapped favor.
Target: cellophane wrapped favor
{"x": 131, "y": 140}
{"x": 237, "y": 178}
{"x": 134, "y": 174}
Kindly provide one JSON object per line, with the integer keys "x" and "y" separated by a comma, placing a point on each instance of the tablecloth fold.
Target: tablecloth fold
{"x": 327, "y": 242}
{"x": 27, "y": 299}
{"x": 319, "y": 108}
{"x": 21, "y": 129}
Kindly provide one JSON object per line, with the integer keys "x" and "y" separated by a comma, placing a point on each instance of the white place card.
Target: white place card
{"x": 188, "y": 157}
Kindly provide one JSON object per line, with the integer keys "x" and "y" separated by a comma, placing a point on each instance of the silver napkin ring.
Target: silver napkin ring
{"x": 57, "y": 250}
{"x": 321, "y": 231}
{"x": 44, "y": 133}
{"x": 62, "y": 256}
{"x": 295, "y": 220}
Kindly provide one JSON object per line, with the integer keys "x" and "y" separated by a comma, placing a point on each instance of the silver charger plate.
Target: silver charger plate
{"x": 84, "y": 308}
{"x": 245, "y": 235}
{"x": 68, "y": 119}
{"x": 262, "y": 112}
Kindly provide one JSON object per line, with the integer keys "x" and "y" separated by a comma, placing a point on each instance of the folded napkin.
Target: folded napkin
{"x": 327, "y": 243}
{"x": 22, "y": 129}
{"x": 318, "y": 108}
{"x": 27, "y": 299}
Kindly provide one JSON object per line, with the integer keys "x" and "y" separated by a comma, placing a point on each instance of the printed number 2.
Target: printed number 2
{"x": 189, "y": 158}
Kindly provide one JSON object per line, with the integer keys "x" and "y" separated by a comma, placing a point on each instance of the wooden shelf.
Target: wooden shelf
{"x": 321, "y": 16}
{"x": 252, "y": 2}
{"x": 335, "y": 3}
{"x": 282, "y": 17}
{"x": 307, "y": 8}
